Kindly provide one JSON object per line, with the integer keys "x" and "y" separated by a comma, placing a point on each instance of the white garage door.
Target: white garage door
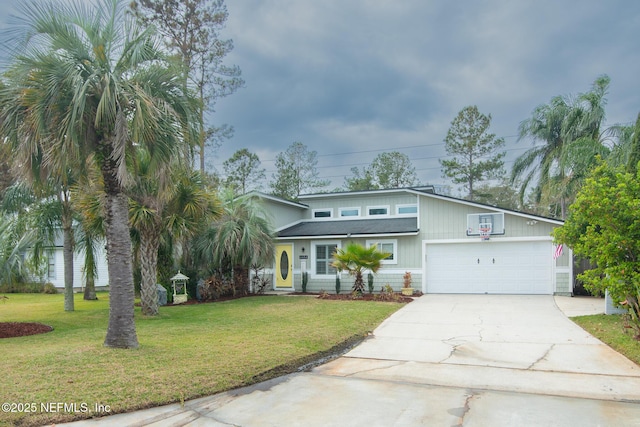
{"x": 490, "y": 267}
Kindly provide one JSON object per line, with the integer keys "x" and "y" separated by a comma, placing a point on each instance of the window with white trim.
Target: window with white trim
{"x": 51, "y": 265}
{"x": 406, "y": 209}
{"x": 349, "y": 212}
{"x": 377, "y": 210}
{"x": 323, "y": 213}
{"x": 323, "y": 257}
{"x": 390, "y": 246}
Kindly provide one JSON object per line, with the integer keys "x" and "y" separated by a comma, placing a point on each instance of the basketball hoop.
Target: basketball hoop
{"x": 485, "y": 231}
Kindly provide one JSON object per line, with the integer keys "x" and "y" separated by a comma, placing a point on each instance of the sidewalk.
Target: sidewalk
{"x": 580, "y": 305}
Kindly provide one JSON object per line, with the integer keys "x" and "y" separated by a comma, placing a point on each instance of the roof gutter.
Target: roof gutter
{"x": 347, "y": 236}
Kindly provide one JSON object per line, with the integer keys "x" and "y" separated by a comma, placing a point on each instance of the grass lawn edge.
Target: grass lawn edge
{"x": 609, "y": 328}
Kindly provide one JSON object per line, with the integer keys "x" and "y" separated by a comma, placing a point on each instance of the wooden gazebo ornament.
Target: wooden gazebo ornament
{"x": 179, "y": 284}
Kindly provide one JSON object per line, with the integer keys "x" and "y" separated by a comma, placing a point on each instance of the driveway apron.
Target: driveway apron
{"x": 443, "y": 360}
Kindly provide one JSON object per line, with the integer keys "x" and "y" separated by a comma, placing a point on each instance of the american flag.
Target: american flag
{"x": 558, "y": 252}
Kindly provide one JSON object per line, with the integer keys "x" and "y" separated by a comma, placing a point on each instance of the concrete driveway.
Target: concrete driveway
{"x": 443, "y": 360}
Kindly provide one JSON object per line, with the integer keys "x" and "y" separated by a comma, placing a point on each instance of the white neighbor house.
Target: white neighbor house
{"x": 436, "y": 238}
{"x": 54, "y": 271}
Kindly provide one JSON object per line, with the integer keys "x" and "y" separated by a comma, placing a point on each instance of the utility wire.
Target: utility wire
{"x": 386, "y": 149}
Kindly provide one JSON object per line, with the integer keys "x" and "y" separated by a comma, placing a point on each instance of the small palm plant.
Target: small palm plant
{"x": 355, "y": 259}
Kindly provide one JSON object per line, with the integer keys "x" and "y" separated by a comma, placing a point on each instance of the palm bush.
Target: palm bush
{"x": 355, "y": 259}
{"x": 240, "y": 238}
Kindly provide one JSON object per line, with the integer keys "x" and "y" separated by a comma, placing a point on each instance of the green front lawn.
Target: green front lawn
{"x": 610, "y": 330}
{"x": 186, "y": 352}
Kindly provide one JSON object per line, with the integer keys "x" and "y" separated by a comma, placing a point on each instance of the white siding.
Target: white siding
{"x": 102, "y": 277}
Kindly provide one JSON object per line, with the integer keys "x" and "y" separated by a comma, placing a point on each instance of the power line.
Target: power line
{"x": 386, "y": 149}
{"x": 350, "y": 165}
{"x": 344, "y": 175}
{"x": 379, "y": 149}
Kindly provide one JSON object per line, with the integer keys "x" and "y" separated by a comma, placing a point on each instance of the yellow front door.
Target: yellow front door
{"x": 284, "y": 266}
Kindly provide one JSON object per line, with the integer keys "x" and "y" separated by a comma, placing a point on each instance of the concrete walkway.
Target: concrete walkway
{"x": 443, "y": 360}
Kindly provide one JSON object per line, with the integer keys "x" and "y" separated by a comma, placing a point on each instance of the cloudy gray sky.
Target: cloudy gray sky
{"x": 353, "y": 78}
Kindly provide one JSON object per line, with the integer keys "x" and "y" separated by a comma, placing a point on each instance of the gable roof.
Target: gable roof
{"x": 277, "y": 199}
{"x": 429, "y": 192}
{"x": 352, "y": 228}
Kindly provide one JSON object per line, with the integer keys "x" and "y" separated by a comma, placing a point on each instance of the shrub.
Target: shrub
{"x": 215, "y": 288}
{"x": 387, "y": 294}
{"x": 259, "y": 280}
{"x": 337, "y": 285}
{"x": 305, "y": 279}
{"x": 22, "y": 288}
{"x": 49, "y": 288}
{"x": 370, "y": 282}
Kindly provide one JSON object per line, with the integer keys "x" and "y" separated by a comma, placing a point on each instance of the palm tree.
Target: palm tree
{"x": 572, "y": 135}
{"x": 95, "y": 83}
{"x": 622, "y": 151}
{"x": 175, "y": 206}
{"x": 53, "y": 208}
{"x": 634, "y": 148}
{"x": 55, "y": 213}
{"x": 87, "y": 202}
{"x": 50, "y": 192}
{"x": 585, "y": 138}
{"x": 87, "y": 245}
{"x": 240, "y": 238}
{"x": 355, "y": 259}
{"x": 541, "y": 162}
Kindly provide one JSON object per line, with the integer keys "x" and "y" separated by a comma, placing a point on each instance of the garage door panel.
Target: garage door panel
{"x": 490, "y": 267}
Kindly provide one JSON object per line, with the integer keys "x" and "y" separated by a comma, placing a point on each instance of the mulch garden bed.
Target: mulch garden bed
{"x": 336, "y": 297}
{"x": 21, "y": 329}
{"x": 364, "y": 297}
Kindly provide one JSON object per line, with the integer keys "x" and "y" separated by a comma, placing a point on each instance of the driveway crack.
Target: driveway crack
{"x": 376, "y": 368}
{"x": 543, "y": 357}
{"x": 462, "y": 412}
{"x": 454, "y": 347}
{"x": 480, "y": 325}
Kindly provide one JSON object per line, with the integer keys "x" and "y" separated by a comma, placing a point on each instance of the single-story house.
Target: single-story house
{"x": 449, "y": 245}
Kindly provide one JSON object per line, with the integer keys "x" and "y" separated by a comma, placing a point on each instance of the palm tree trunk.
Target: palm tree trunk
{"x": 90, "y": 289}
{"x": 202, "y": 142}
{"x": 149, "y": 242}
{"x": 121, "y": 332}
{"x": 240, "y": 280}
{"x": 563, "y": 208}
{"x": 89, "y": 269}
{"x": 67, "y": 253}
{"x": 358, "y": 285}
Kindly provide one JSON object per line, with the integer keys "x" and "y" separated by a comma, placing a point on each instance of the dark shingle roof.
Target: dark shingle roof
{"x": 352, "y": 227}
